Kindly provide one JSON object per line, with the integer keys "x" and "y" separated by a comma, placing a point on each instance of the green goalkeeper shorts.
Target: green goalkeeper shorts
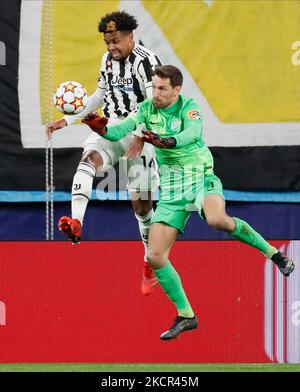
{"x": 176, "y": 212}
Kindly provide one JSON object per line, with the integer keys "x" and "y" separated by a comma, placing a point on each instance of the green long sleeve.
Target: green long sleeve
{"x": 118, "y": 131}
{"x": 191, "y": 134}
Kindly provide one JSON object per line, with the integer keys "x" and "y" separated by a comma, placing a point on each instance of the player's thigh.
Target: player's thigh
{"x": 110, "y": 151}
{"x": 142, "y": 171}
{"x": 213, "y": 186}
{"x": 214, "y": 207}
{"x": 215, "y": 213}
{"x": 215, "y": 204}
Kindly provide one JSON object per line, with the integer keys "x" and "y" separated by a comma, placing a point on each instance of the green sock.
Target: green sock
{"x": 245, "y": 233}
{"x": 170, "y": 282}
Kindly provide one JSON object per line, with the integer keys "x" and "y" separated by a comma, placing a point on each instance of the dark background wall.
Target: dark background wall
{"x": 114, "y": 220}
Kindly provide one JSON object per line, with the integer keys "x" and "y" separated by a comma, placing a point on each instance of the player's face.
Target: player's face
{"x": 164, "y": 95}
{"x": 119, "y": 44}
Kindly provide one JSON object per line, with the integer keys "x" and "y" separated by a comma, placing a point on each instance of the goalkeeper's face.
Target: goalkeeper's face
{"x": 164, "y": 95}
{"x": 119, "y": 44}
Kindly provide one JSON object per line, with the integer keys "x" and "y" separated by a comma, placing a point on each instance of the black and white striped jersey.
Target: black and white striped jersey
{"x": 128, "y": 82}
{"x": 121, "y": 84}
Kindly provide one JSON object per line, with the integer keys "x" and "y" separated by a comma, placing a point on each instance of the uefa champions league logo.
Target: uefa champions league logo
{"x": 2, "y": 53}
{"x": 282, "y": 309}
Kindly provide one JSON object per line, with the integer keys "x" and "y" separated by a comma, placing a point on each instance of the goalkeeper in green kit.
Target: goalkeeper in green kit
{"x": 173, "y": 125}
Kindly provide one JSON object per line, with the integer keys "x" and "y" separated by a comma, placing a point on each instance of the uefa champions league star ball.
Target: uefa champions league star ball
{"x": 70, "y": 98}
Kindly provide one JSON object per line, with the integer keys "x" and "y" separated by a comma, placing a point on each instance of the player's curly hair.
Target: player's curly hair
{"x": 123, "y": 22}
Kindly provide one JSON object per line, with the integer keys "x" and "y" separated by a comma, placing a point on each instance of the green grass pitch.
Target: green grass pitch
{"x": 148, "y": 367}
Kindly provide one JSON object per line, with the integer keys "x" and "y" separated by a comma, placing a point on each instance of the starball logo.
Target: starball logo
{"x": 2, "y": 53}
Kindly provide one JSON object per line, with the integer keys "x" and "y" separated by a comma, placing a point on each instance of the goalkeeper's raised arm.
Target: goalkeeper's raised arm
{"x": 113, "y": 132}
{"x": 118, "y": 131}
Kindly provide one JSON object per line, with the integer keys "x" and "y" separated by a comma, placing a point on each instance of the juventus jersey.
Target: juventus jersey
{"x": 126, "y": 83}
{"x": 121, "y": 84}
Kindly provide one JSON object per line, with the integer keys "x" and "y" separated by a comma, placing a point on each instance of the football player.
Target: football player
{"x": 125, "y": 80}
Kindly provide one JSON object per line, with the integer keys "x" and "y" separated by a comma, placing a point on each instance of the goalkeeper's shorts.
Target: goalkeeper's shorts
{"x": 176, "y": 211}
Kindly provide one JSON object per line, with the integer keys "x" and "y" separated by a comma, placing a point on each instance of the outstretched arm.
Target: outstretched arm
{"x": 193, "y": 124}
{"x": 112, "y": 132}
{"x": 118, "y": 131}
{"x": 191, "y": 134}
{"x": 158, "y": 141}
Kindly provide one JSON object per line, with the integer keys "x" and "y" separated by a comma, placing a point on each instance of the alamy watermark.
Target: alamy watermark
{"x": 2, "y": 53}
{"x": 296, "y": 313}
{"x": 295, "y": 59}
{"x": 177, "y": 183}
{"x": 2, "y": 313}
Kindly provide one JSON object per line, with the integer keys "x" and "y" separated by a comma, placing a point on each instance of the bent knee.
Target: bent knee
{"x": 141, "y": 207}
{"x": 92, "y": 157}
{"x": 156, "y": 258}
{"x": 154, "y": 255}
{"x": 218, "y": 223}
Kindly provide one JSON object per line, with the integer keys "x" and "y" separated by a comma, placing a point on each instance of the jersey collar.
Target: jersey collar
{"x": 173, "y": 108}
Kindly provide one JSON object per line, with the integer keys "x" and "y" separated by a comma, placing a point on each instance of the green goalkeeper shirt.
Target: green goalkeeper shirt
{"x": 182, "y": 167}
{"x": 182, "y": 120}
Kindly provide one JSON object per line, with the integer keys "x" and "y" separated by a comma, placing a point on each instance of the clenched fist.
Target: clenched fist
{"x": 96, "y": 123}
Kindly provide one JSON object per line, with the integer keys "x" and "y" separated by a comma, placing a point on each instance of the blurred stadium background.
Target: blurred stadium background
{"x": 60, "y": 303}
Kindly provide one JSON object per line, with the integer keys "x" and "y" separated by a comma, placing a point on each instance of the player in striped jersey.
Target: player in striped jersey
{"x": 125, "y": 80}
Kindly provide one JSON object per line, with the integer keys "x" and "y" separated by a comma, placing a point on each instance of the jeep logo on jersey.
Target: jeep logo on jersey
{"x": 117, "y": 81}
{"x": 193, "y": 114}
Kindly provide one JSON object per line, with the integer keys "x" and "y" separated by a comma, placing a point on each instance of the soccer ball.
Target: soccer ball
{"x": 70, "y": 98}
